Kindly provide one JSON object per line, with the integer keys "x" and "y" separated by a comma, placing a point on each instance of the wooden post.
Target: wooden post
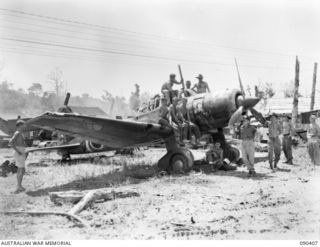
{"x": 314, "y": 81}
{"x": 296, "y": 94}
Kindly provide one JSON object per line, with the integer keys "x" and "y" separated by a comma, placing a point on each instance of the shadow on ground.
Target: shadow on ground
{"x": 233, "y": 173}
{"x": 94, "y": 160}
{"x": 132, "y": 175}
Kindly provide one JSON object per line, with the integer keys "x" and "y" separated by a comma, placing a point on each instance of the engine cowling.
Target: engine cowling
{"x": 213, "y": 110}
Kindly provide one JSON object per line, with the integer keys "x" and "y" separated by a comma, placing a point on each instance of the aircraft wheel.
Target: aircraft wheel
{"x": 181, "y": 162}
{"x": 178, "y": 163}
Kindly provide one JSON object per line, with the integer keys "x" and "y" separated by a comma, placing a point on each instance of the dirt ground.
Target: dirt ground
{"x": 200, "y": 205}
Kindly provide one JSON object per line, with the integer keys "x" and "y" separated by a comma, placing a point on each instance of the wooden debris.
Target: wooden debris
{"x": 71, "y": 196}
{"x": 69, "y": 216}
{"x": 85, "y": 198}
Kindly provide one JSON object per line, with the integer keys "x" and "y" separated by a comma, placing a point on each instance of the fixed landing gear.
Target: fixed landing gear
{"x": 177, "y": 161}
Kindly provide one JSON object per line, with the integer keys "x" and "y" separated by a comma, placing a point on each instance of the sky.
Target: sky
{"x": 113, "y": 44}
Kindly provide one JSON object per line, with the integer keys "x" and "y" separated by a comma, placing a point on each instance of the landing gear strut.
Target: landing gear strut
{"x": 176, "y": 160}
{"x": 229, "y": 152}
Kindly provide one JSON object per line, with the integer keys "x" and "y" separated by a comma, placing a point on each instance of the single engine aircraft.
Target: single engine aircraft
{"x": 210, "y": 111}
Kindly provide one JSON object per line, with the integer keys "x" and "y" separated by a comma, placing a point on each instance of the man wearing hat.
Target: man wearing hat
{"x": 17, "y": 142}
{"x": 248, "y": 133}
{"x": 177, "y": 120}
{"x": 287, "y": 139}
{"x": 201, "y": 86}
{"x": 163, "y": 113}
{"x": 167, "y": 90}
{"x": 274, "y": 146}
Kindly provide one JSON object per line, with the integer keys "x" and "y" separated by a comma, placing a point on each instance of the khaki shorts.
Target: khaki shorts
{"x": 20, "y": 158}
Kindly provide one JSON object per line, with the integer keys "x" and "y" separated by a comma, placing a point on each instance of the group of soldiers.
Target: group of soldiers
{"x": 276, "y": 127}
{"x": 172, "y": 110}
{"x": 169, "y": 93}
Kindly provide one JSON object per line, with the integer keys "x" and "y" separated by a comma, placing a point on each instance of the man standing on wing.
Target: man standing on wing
{"x": 201, "y": 86}
{"x": 167, "y": 89}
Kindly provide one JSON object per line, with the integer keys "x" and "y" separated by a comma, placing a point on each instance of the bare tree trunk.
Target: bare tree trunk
{"x": 313, "y": 93}
{"x": 296, "y": 94}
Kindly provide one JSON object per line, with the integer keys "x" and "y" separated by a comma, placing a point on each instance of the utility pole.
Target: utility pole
{"x": 314, "y": 81}
{"x": 296, "y": 94}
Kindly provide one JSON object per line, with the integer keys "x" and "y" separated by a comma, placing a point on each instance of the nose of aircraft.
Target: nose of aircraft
{"x": 249, "y": 102}
{"x": 244, "y": 104}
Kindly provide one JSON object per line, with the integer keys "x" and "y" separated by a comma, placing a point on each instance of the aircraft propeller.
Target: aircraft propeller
{"x": 243, "y": 106}
{"x": 249, "y": 105}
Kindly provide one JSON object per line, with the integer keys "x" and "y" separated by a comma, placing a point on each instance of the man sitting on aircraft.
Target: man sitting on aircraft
{"x": 163, "y": 113}
{"x": 201, "y": 86}
{"x": 214, "y": 157}
{"x": 167, "y": 90}
{"x": 177, "y": 124}
{"x": 190, "y": 127}
{"x": 186, "y": 92}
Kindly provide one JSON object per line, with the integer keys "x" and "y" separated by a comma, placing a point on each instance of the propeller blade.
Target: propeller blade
{"x": 258, "y": 116}
{"x": 65, "y": 108}
{"x": 249, "y": 102}
{"x": 66, "y": 101}
{"x": 236, "y": 116}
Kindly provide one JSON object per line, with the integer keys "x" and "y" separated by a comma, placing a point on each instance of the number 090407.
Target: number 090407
{"x": 309, "y": 243}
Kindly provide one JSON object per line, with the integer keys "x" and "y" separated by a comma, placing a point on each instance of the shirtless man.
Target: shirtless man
{"x": 186, "y": 92}
{"x": 167, "y": 90}
{"x": 17, "y": 142}
{"x": 201, "y": 86}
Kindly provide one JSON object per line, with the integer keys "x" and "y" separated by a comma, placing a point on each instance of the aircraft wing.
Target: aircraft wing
{"x": 58, "y": 147}
{"x": 112, "y": 133}
{"x": 4, "y": 126}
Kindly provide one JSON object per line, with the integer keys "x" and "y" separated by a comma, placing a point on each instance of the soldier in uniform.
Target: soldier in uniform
{"x": 190, "y": 127}
{"x": 287, "y": 139}
{"x": 167, "y": 90}
{"x": 214, "y": 157}
{"x": 314, "y": 141}
{"x": 177, "y": 124}
{"x": 201, "y": 86}
{"x": 17, "y": 142}
{"x": 248, "y": 133}
{"x": 274, "y": 146}
{"x": 163, "y": 113}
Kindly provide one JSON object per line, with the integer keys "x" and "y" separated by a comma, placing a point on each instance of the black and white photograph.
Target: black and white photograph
{"x": 159, "y": 120}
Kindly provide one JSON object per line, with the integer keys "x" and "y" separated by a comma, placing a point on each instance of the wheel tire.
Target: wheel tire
{"x": 178, "y": 163}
